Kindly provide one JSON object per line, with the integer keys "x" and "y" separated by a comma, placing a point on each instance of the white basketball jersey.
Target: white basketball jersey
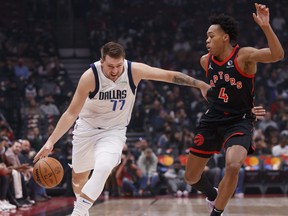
{"x": 111, "y": 104}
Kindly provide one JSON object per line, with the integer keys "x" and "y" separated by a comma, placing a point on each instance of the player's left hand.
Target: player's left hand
{"x": 261, "y": 17}
{"x": 259, "y": 112}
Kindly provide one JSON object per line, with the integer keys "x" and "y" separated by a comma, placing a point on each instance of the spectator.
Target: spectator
{"x": 175, "y": 180}
{"x": 271, "y": 136}
{"x": 282, "y": 148}
{"x": 164, "y": 142}
{"x": 184, "y": 138}
{"x": 35, "y": 137}
{"x": 147, "y": 163}
{"x": 5, "y": 174}
{"x": 260, "y": 144}
{"x": 36, "y": 192}
{"x": 48, "y": 107}
{"x": 261, "y": 147}
{"x": 139, "y": 147}
{"x": 30, "y": 91}
{"x": 18, "y": 173}
{"x": 21, "y": 70}
{"x": 31, "y": 109}
{"x": 129, "y": 176}
{"x": 267, "y": 122}
{"x": 5, "y": 142}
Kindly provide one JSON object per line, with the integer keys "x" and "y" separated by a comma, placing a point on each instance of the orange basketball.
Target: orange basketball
{"x": 48, "y": 172}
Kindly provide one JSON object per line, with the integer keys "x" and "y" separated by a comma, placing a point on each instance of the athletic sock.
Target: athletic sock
{"x": 216, "y": 212}
{"x": 204, "y": 186}
{"x": 82, "y": 206}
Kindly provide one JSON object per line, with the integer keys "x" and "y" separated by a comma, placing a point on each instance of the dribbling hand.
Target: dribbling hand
{"x": 44, "y": 151}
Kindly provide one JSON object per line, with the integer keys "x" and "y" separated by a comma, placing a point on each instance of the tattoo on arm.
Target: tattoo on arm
{"x": 183, "y": 79}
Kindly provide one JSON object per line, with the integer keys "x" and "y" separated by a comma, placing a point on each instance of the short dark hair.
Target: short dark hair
{"x": 228, "y": 24}
{"x": 112, "y": 49}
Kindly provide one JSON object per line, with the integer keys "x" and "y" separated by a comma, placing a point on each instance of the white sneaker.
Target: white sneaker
{"x": 179, "y": 193}
{"x": 73, "y": 213}
{"x": 185, "y": 193}
{"x": 86, "y": 214}
{"x": 8, "y": 204}
{"x": 4, "y": 207}
{"x": 211, "y": 203}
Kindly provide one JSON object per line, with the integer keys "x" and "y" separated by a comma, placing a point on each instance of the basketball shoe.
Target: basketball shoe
{"x": 211, "y": 203}
{"x": 76, "y": 213}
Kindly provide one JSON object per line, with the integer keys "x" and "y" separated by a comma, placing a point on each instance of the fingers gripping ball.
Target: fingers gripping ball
{"x": 48, "y": 172}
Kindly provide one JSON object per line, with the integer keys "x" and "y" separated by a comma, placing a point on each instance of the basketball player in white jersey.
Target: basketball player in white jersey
{"x": 103, "y": 103}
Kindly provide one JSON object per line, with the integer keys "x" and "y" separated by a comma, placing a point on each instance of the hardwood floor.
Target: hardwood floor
{"x": 57, "y": 206}
{"x": 251, "y": 205}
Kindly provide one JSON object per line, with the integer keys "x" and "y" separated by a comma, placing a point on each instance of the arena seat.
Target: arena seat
{"x": 273, "y": 175}
{"x": 253, "y": 174}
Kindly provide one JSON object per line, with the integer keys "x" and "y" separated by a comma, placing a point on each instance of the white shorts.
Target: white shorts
{"x": 89, "y": 142}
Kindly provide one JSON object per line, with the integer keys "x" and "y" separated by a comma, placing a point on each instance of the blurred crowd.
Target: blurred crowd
{"x": 35, "y": 88}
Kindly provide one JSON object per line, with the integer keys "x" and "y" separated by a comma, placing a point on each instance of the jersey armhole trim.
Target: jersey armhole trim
{"x": 92, "y": 94}
{"x": 131, "y": 82}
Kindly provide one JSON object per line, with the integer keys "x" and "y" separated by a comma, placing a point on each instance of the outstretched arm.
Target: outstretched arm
{"x": 183, "y": 79}
{"x": 143, "y": 71}
{"x": 275, "y": 51}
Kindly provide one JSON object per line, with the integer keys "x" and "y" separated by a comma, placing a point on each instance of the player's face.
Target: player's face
{"x": 112, "y": 68}
{"x": 215, "y": 40}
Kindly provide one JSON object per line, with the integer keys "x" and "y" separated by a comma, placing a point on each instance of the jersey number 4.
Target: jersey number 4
{"x": 222, "y": 95}
{"x": 115, "y": 102}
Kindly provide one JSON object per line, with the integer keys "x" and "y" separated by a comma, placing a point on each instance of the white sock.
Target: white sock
{"x": 82, "y": 206}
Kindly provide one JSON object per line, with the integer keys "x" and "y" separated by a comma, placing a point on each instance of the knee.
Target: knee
{"x": 191, "y": 178}
{"x": 104, "y": 169}
{"x": 79, "y": 178}
{"x": 233, "y": 168}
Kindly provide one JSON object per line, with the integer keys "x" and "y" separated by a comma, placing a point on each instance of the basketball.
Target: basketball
{"x": 48, "y": 172}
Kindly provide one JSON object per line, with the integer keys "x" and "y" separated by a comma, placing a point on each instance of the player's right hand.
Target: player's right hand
{"x": 44, "y": 151}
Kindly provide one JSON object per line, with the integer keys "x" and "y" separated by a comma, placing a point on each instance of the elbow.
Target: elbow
{"x": 282, "y": 55}
{"x": 279, "y": 56}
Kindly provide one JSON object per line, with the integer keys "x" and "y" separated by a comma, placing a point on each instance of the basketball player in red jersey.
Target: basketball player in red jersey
{"x": 228, "y": 121}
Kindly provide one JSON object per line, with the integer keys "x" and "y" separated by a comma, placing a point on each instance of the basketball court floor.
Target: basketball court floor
{"x": 251, "y": 205}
